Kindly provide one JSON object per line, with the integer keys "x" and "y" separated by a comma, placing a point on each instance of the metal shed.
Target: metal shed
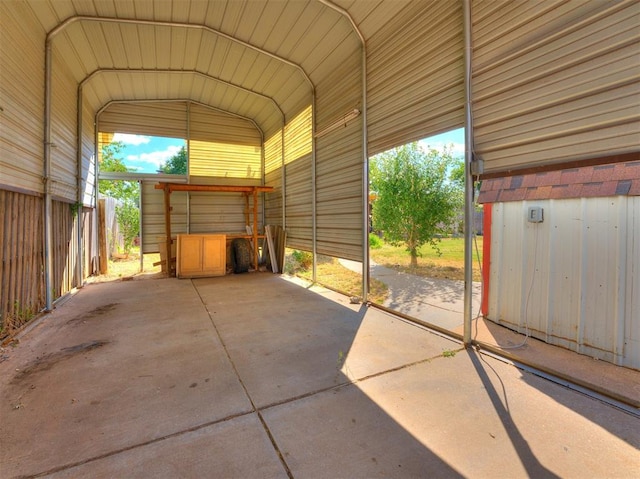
{"x": 323, "y": 84}
{"x": 569, "y": 276}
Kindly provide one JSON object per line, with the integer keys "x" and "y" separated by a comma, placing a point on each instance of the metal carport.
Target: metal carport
{"x": 544, "y": 85}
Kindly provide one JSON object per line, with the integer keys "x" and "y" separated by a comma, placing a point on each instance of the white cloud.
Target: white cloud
{"x": 155, "y": 158}
{"x": 128, "y": 139}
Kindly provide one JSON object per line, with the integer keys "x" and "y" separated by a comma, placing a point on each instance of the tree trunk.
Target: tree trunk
{"x": 414, "y": 257}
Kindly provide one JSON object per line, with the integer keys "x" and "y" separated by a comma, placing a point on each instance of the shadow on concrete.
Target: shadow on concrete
{"x": 527, "y": 458}
{"x": 183, "y": 367}
{"x": 406, "y": 288}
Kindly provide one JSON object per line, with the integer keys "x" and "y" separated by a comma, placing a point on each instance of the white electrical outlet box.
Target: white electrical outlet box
{"x": 535, "y": 214}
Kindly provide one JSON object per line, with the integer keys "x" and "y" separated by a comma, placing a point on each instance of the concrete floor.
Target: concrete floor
{"x": 255, "y": 376}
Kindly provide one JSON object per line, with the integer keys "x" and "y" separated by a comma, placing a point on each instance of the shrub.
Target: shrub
{"x": 303, "y": 258}
{"x": 374, "y": 241}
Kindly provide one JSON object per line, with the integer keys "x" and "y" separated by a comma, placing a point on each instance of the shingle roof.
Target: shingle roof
{"x": 584, "y": 182}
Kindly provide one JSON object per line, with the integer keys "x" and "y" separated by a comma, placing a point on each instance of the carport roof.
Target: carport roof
{"x": 251, "y": 58}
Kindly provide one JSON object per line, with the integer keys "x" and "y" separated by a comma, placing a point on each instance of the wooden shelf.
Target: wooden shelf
{"x": 250, "y": 210}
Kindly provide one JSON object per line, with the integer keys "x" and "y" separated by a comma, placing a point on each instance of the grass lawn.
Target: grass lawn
{"x": 332, "y": 274}
{"x": 448, "y": 265}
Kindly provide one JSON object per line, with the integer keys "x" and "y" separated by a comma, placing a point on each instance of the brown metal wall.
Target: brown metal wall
{"x": 416, "y": 75}
{"x": 555, "y": 81}
{"x": 64, "y": 170}
{"x": 339, "y": 163}
{"x": 21, "y": 98}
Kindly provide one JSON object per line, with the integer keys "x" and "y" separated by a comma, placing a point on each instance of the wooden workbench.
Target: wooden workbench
{"x": 247, "y": 191}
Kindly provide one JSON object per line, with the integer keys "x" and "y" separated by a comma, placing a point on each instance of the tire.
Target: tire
{"x": 241, "y": 255}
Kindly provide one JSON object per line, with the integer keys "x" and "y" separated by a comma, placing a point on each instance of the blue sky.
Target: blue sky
{"x": 145, "y": 154}
{"x": 453, "y": 137}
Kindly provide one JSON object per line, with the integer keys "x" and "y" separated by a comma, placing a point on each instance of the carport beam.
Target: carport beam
{"x": 468, "y": 183}
{"x": 167, "y": 227}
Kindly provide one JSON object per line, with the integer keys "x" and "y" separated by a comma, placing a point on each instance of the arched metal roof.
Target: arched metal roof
{"x": 229, "y": 54}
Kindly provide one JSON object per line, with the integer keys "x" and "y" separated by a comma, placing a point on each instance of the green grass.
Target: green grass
{"x": 448, "y": 265}
{"x": 332, "y": 274}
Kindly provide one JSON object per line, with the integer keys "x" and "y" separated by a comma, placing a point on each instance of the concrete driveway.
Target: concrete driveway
{"x": 255, "y": 376}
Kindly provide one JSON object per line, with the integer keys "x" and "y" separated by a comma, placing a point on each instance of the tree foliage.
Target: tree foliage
{"x": 416, "y": 198}
{"x": 118, "y": 189}
{"x": 177, "y": 164}
{"x": 126, "y": 192}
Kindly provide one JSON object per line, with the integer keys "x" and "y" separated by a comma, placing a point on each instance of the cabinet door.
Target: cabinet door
{"x": 189, "y": 255}
{"x": 214, "y": 255}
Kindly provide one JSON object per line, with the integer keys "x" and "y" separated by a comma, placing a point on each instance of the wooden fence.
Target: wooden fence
{"x": 22, "y": 268}
{"x": 22, "y": 293}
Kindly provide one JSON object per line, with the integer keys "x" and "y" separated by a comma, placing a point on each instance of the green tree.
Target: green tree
{"x": 416, "y": 199}
{"x": 111, "y": 162}
{"x": 177, "y": 164}
{"x": 126, "y": 192}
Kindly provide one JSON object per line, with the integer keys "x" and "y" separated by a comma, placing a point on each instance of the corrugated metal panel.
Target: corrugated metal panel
{"x": 21, "y": 98}
{"x": 570, "y": 279}
{"x": 415, "y": 75}
{"x": 339, "y": 168}
{"x": 298, "y": 199}
{"x": 88, "y": 158}
{"x": 632, "y": 294}
{"x": 223, "y": 145}
{"x": 220, "y": 213}
{"x": 168, "y": 119}
{"x": 555, "y": 82}
{"x": 64, "y": 169}
{"x": 273, "y": 177}
{"x": 153, "y": 215}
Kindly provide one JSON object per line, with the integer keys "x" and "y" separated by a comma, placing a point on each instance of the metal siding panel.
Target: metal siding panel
{"x": 565, "y": 258}
{"x": 64, "y": 170}
{"x": 507, "y": 265}
{"x": 168, "y": 119}
{"x": 579, "y": 292}
{"x": 632, "y": 293}
{"x": 298, "y": 203}
{"x": 220, "y": 213}
{"x": 600, "y": 257}
{"x": 339, "y": 160}
{"x": 21, "y": 98}
{"x": 88, "y": 157}
{"x": 273, "y": 177}
{"x": 153, "y": 217}
{"x": 223, "y": 145}
{"x": 556, "y": 82}
{"x": 415, "y": 75}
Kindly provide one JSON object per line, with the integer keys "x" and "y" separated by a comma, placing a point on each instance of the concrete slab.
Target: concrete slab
{"x": 490, "y": 421}
{"x": 614, "y": 381}
{"x": 238, "y": 447}
{"x": 303, "y": 342}
{"x": 118, "y": 365}
{"x": 159, "y": 378}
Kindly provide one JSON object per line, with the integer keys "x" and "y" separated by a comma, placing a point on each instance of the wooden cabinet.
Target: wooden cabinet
{"x": 201, "y": 255}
